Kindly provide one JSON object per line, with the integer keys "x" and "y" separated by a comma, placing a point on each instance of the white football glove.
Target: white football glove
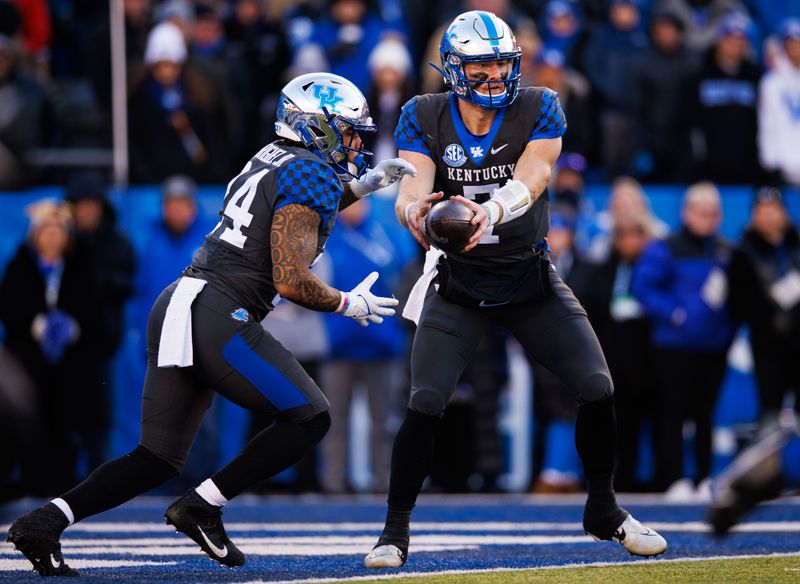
{"x": 385, "y": 173}
{"x": 363, "y": 306}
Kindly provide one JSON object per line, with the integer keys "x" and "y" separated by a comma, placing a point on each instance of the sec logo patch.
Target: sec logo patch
{"x": 454, "y": 155}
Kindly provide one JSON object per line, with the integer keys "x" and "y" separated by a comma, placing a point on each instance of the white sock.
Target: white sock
{"x": 210, "y": 493}
{"x": 62, "y": 504}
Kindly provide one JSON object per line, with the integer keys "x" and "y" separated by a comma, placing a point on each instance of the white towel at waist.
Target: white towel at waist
{"x": 416, "y": 298}
{"x": 175, "y": 347}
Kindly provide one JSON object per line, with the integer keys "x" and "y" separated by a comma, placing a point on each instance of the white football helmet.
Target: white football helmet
{"x": 473, "y": 37}
{"x": 315, "y": 109}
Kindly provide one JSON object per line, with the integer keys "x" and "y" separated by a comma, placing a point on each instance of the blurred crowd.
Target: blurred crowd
{"x": 661, "y": 90}
{"x": 696, "y": 92}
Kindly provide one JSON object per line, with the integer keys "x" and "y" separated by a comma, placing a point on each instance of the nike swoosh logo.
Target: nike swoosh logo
{"x": 496, "y": 150}
{"x": 56, "y": 564}
{"x": 648, "y": 532}
{"x": 484, "y": 304}
{"x": 219, "y": 552}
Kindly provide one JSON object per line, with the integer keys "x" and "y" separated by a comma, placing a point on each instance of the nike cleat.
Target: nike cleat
{"x": 36, "y": 535}
{"x": 202, "y": 522}
{"x": 755, "y": 475}
{"x": 385, "y": 556}
{"x": 637, "y": 539}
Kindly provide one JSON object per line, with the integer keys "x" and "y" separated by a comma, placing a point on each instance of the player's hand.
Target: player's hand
{"x": 385, "y": 173}
{"x": 481, "y": 219}
{"x": 363, "y": 306}
{"x": 415, "y": 216}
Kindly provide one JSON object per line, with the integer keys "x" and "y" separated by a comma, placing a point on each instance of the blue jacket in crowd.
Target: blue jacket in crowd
{"x": 669, "y": 282}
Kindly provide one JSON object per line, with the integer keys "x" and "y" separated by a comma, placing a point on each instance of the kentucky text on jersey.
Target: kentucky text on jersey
{"x": 493, "y": 172}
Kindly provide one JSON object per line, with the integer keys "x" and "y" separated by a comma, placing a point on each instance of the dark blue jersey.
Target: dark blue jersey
{"x": 236, "y": 256}
{"x": 474, "y": 166}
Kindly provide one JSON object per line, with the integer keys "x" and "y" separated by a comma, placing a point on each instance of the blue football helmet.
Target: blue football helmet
{"x": 316, "y": 109}
{"x": 479, "y": 36}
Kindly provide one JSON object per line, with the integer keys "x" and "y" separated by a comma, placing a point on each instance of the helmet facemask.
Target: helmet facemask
{"x": 495, "y": 93}
{"x": 324, "y": 135}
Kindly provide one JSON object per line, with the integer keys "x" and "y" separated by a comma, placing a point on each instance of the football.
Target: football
{"x": 448, "y": 226}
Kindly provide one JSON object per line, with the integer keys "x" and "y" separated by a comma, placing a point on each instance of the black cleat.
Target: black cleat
{"x": 36, "y": 535}
{"x": 202, "y": 522}
{"x": 755, "y": 475}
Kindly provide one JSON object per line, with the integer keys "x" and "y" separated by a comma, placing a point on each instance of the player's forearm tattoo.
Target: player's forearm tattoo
{"x": 348, "y": 198}
{"x": 293, "y": 242}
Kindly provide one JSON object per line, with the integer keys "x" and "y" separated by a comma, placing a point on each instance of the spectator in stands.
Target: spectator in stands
{"x": 258, "y": 59}
{"x": 112, "y": 264}
{"x": 610, "y": 58}
{"x": 574, "y": 93}
{"x": 765, "y": 293}
{"x": 660, "y": 86}
{"x": 627, "y": 196}
{"x": 24, "y": 106}
{"x": 556, "y": 465}
{"x": 48, "y": 306}
{"x": 722, "y": 108}
{"x": 137, "y": 28}
{"x": 170, "y": 243}
{"x": 779, "y": 109}
{"x": 359, "y": 355}
{"x": 391, "y": 86}
{"x": 562, "y": 29}
{"x": 346, "y": 34}
{"x": 623, "y": 330}
{"x": 179, "y": 115}
{"x": 701, "y": 18}
{"x": 682, "y": 284}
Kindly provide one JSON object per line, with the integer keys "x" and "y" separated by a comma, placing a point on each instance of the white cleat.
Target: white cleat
{"x": 385, "y": 556}
{"x": 638, "y": 539}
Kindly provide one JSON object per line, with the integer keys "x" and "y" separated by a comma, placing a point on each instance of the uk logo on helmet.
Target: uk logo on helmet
{"x": 454, "y": 155}
{"x": 328, "y": 99}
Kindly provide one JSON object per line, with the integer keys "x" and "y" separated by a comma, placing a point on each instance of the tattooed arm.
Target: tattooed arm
{"x": 293, "y": 241}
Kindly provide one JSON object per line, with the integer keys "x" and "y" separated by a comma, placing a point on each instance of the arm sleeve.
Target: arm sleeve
{"x": 408, "y": 135}
{"x": 651, "y": 282}
{"x": 310, "y": 183}
{"x": 550, "y": 120}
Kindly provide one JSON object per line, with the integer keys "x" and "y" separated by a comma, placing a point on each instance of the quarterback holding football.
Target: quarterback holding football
{"x": 490, "y": 145}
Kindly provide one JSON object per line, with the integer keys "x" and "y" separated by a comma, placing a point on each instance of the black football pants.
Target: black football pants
{"x": 555, "y": 331}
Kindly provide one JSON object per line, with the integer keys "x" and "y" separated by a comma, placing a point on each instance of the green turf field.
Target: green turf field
{"x": 762, "y": 570}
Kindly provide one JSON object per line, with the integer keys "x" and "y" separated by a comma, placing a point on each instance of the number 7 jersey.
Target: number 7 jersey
{"x": 236, "y": 257}
{"x": 474, "y": 166}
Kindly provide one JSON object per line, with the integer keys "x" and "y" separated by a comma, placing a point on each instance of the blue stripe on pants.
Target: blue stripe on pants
{"x": 283, "y": 394}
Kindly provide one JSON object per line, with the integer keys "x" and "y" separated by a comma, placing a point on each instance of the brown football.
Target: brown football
{"x": 448, "y": 226}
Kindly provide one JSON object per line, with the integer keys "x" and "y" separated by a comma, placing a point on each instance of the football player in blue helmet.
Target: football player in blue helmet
{"x": 490, "y": 145}
{"x": 475, "y": 45}
{"x": 204, "y": 333}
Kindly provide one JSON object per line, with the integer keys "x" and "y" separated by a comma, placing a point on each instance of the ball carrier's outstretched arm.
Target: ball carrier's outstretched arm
{"x": 293, "y": 240}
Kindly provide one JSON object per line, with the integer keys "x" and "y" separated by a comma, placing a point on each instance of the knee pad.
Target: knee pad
{"x": 596, "y": 388}
{"x": 427, "y": 402}
{"x": 154, "y": 465}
